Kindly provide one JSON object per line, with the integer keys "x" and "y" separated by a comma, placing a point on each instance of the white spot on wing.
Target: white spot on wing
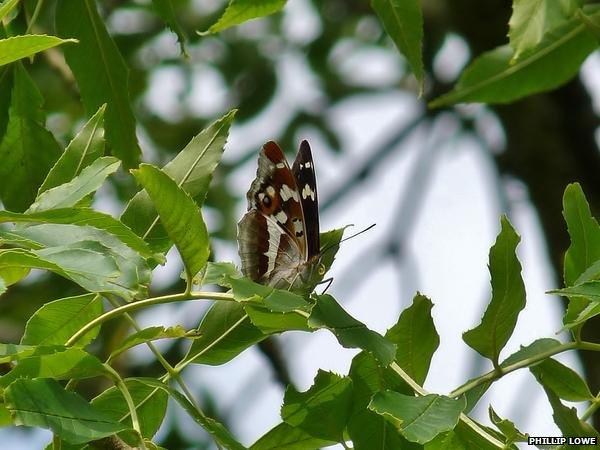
{"x": 280, "y": 165}
{"x": 274, "y": 237}
{"x": 287, "y": 193}
{"x": 270, "y": 191}
{"x": 281, "y": 217}
{"x": 307, "y": 165}
{"x": 298, "y": 227}
{"x": 308, "y": 192}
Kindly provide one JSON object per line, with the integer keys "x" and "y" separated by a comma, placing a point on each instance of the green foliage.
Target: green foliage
{"x": 65, "y": 413}
{"x": 179, "y": 215}
{"x": 55, "y": 322}
{"x": 240, "y": 11}
{"x": 494, "y": 77}
{"x": 381, "y": 402}
{"x": 403, "y": 22}
{"x": 508, "y": 297}
{"x": 419, "y": 419}
{"x": 415, "y": 338}
{"x": 103, "y": 82}
{"x": 17, "y": 47}
{"x": 27, "y": 149}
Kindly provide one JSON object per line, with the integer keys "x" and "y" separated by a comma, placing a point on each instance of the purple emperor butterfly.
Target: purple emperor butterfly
{"x": 278, "y": 237}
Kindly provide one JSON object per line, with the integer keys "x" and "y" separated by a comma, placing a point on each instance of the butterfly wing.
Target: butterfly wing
{"x": 271, "y": 235}
{"x": 303, "y": 170}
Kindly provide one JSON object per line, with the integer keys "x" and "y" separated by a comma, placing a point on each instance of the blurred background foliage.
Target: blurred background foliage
{"x": 341, "y": 50}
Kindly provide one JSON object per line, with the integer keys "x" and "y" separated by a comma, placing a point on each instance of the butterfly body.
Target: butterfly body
{"x": 279, "y": 235}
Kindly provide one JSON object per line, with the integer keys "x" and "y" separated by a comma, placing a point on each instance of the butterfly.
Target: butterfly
{"x": 278, "y": 237}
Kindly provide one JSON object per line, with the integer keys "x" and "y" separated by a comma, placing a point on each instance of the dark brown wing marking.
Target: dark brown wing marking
{"x": 303, "y": 170}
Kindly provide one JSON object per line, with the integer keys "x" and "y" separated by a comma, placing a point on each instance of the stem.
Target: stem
{"x": 163, "y": 362}
{"x": 592, "y": 408}
{"x": 36, "y": 13}
{"x": 499, "y": 372}
{"x": 143, "y": 304}
{"x": 135, "y": 422}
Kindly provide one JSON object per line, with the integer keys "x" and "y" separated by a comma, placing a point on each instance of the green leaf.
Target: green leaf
{"x": 150, "y": 405}
{"x": 6, "y": 7}
{"x": 27, "y": 149}
{"x": 164, "y": 8}
{"x": 492, "y": 78}
{"x": 416, "y": 338}
{"x": 216, "y": 272}
{"x": 148, "y": 335}
{"x": 225, "y": 332}
{"x": 14, "y": 352}
{"x": 276, "y": 300}
{"x": 104, "y": 81}
{"x": 82, "y": 151}
{"x": 350, "y": 333}
{"x": 584, "y": 250}
{"x": 330, "y": 244}
{"x": 567, "y": 421}
{"x": 286, "y": 437}
{"x": 2, "y": 285}
{"x": 584, "y": 231}
{"x": 17, "y": 47}
{"x": 240, "y": 11}
{"x": 81, "y": 217}
{"x": 403, "y": 22}
{"x": 214, "y": 428}
{"x": 192, "y": 169}
{"x": 270, "y": 322}
{"x": 563, "y": 381}
{"x": 530, "y": 351}
{"x": 507, "y": 428}
{"x": 5, "y": 418}
{"x": 508, "y": 297}
{"x": 532, "y": 19}
{"x": 55, "y": 322}
{"x": 70, "y": 193}
{"x": 71, "y": 363}
{"x": 64, "y": 243}
{"x": 593, "y": 23}
{"x": 367, "y": 429}
{"x": 323, "y": 410}
{"x": 92, "y": 270}
{"x": 46, "y": 404}
{"x": 419, "y": 419}
{"x": 589, "y": 291}
{"x": 179, "y": 215}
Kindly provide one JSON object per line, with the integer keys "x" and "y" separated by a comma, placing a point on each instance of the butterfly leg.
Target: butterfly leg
{"x": 328, "y": 281}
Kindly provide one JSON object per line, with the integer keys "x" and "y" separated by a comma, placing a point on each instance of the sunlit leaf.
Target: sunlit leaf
{"x": 508, "y": 429}
{"x": 104, "y": 81}
{"x": 27, "y": 149}
{"x": 67, "y": 414}
{"x": 493, "y": 78}
{"x": 180, "y": 216}
{"x": 532, "y": 19}
{"x": 536, "y": 348}
{"x": 82, "y": 217}
{"x": 83, "y": 150}
{"x": 508, "y": 297}
{"x": 567, "y": 421}
{"x": 55, "y": 322}
{"x": 17, "y": 47}
{"x": 71, "y": 363}
{"x": 192, "y": 169}
{"x": 240, "y": 11}
{"x": 6, "y": 7}
{"x": 70, "y": 193}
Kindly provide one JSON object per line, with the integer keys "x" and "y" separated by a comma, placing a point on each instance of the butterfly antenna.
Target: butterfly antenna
{"x": 347, "y": 238}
